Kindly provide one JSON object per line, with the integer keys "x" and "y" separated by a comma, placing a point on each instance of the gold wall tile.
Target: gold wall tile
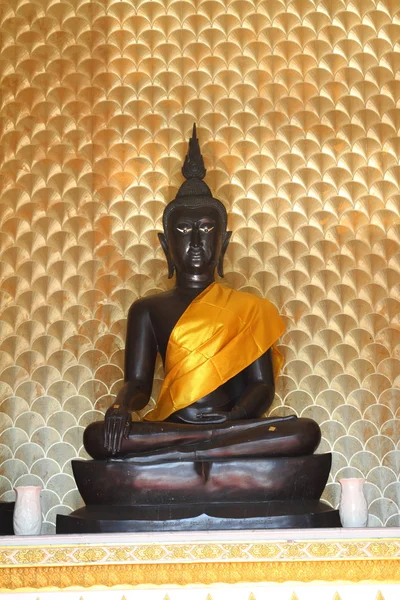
{"x": 298, "y": 111}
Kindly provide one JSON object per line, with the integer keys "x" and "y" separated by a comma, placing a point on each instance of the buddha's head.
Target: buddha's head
{"x": 195, "y": 235}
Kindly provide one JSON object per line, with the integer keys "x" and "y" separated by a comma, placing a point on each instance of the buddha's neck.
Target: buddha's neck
{"x": 187, "y": 283}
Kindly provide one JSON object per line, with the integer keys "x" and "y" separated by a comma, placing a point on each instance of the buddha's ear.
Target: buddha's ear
{"x": 164, "y": 245}
{"x": 225, "y": 242}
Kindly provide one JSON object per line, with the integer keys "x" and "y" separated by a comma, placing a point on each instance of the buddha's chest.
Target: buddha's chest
{"x": 164, "y": 317}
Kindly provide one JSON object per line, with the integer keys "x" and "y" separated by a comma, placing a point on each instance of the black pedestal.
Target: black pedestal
{"x": 201, "y": 495}
{"x": 6, "y": 518}
{"x": 261, "y": 515}
{"x": 222, "y": 481}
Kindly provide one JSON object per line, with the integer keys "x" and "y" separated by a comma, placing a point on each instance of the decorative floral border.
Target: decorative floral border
{"x": 87, "y": 565}
{"x": 178, "y": 552}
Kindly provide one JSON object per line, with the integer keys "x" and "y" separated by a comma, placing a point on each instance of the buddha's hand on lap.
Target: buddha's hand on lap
{"x": 116, "y": 427}
{"x": 219, "y": 416}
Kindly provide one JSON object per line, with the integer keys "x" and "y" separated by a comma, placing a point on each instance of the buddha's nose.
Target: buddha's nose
{"x": 195, "y": 238}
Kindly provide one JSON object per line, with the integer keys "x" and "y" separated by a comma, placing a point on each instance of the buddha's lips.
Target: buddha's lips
{"x": 195, "y": 253}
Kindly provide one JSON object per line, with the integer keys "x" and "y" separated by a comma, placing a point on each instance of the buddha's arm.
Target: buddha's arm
{"x": 259, "y": 392}
{"x": 257, "y": 396}
{"x": 140, "y": 359}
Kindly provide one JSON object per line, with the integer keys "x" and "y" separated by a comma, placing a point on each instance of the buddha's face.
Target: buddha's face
{"x": 195, "y": 237}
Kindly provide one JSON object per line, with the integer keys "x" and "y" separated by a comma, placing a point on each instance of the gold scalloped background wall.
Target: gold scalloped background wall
{"x": 298, "y": 112}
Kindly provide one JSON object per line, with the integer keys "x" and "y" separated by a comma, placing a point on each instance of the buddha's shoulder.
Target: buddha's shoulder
{"x": 146, "y": 305}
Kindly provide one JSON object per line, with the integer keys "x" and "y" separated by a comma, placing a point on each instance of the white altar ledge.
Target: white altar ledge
{"x": 239, "y": 565}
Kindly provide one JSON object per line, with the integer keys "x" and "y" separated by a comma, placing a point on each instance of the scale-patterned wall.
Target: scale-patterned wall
{"x": 298, "y": 112}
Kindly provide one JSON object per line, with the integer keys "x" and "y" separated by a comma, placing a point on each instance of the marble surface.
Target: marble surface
{"x": 249, "y": 536}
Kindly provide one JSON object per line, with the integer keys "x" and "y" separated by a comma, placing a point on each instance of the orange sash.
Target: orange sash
{"x": 221, "y": 333}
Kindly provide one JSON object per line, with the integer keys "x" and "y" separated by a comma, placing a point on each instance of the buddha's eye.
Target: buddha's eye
{"x": 206, "y": 228}
{"x": 184, "y": 228}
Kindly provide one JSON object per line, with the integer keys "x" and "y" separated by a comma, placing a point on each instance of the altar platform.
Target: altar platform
{"x": 247, "y": 565}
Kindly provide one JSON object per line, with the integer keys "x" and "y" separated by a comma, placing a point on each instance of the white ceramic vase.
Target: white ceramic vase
{"x": 353, "y": 508}
{"x": 28, "y": 510}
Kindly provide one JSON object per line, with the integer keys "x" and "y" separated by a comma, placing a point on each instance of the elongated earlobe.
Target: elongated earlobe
{"x": 164, "y": 245}
{"x": 220, "y": 266}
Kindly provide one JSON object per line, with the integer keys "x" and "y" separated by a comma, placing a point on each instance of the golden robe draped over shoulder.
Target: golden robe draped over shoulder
{"x": 221, "y": 333}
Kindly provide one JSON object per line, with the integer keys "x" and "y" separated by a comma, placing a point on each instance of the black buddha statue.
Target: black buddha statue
{"x": 205, "y": 449}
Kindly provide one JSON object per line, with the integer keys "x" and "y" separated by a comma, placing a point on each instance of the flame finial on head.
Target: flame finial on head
{"x": 194, "y": 163}
{"x": 194, "y": 192}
